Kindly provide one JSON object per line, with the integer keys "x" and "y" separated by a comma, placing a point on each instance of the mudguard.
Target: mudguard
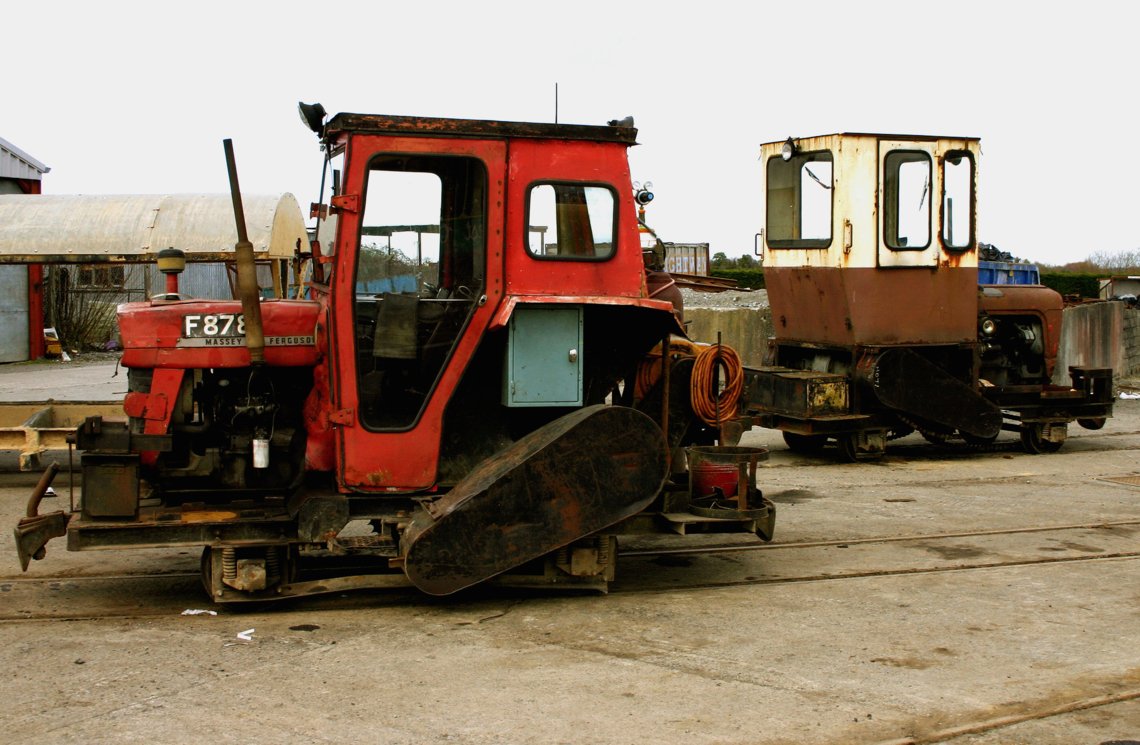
{"x": 575, "y": 476}
{"x": 908, "y": 382}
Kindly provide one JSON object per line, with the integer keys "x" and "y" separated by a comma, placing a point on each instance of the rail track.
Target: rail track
{"x": 128, "y": 595}
{"x": 143, "y": 594}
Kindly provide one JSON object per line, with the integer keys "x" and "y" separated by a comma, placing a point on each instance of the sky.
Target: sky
{"x": 136, "y": 97}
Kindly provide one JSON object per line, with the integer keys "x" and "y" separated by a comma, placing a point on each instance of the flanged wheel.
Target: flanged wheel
{"x": 848, "y": 447}
{"x": 1096, "y": 423}
{"x": 804, "y": 443}
{"x": 1033, "y": 438}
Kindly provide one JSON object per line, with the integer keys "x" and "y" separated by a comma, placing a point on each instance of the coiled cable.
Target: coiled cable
{"x": 712, "y": 406}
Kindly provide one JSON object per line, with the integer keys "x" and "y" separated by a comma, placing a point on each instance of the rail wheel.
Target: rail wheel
{"x": 798, "y": 443}
{"x": 1096, "y": 423}
{"x": 1036, "y": 440}
{"x": 848, "y": 445}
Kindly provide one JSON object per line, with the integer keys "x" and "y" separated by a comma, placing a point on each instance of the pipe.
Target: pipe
{"x": 41, "y": 489}
{"x": 248, "y": 291}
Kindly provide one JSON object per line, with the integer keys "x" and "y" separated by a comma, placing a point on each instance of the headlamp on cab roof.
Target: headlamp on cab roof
{"x": 788, "y": 150}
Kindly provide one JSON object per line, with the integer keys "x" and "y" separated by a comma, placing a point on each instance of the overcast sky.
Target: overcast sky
{"x": 126, "y": 97}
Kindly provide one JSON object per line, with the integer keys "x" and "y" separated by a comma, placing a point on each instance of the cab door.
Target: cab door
{"x": 418, "y": 277}
{"x": 907, "y": 185}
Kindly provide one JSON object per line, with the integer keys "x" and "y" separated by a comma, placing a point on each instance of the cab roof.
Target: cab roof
{"x": 877, "y": 135}
{"x": 422, "y": 126}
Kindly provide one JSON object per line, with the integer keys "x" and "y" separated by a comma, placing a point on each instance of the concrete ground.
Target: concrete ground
{"x": 91, "y": 378}
{"x": 939, "y": 595}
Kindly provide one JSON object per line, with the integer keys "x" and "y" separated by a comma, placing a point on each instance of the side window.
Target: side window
{"x": 958, "y": 200}
{"x": 799, "y": 205}
{"x": 399, "y": 239}
{"x": 570, "y": 221}
{"x": 326, "y": 227}
{"x": 906, "y": 197}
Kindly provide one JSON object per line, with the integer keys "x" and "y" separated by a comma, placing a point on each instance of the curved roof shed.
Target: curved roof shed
{"x": 83, "y": 229}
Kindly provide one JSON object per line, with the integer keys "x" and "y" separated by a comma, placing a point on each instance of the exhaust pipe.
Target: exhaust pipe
{"x": 248, "y": 291}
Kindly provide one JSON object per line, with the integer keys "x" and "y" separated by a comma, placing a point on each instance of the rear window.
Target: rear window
{"x": 571, "y": 221}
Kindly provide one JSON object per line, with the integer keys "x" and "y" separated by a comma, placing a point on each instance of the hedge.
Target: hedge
{"x": 1084, "y": 285}
{"x": 750, "y": 279}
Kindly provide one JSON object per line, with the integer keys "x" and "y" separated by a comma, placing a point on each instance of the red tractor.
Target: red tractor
{"x": 880, "y": 326}
{"x": 469, "y": 415}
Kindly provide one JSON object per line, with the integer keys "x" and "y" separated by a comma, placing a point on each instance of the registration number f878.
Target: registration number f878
{"x": 205, "y": 325}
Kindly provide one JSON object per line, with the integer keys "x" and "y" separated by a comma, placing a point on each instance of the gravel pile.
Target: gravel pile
{"x": 729, "y": 299}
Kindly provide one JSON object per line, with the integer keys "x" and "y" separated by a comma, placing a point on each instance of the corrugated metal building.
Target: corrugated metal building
{"x": 21, "y": 287}
{"x": 102, "y": 247}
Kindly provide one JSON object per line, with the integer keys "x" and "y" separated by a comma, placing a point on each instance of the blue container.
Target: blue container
{"x": 1007, "y": 273}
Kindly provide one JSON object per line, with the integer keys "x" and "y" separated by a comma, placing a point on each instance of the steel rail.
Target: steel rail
{"x": 617, "y": 588}
{"x": 871, "y": 574}
{"x": 727, "y": 548}
{"x": 988, "y": 725}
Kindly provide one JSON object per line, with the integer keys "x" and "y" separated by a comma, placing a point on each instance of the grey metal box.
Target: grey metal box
{"x": 544, "y": 357}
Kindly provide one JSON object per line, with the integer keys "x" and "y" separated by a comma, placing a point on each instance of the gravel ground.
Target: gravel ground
{"x": 728, "y": 299}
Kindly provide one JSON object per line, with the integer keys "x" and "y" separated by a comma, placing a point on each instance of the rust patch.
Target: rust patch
{"x": 208, "y": 517}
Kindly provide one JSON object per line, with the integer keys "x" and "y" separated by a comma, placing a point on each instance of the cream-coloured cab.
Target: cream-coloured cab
{"x": 870, "y": 200}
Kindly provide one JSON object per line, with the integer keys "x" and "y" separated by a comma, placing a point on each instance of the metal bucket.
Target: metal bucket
{"x": 724, "y": 473}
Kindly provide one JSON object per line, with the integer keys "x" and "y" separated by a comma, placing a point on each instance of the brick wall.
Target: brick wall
{"x": 1131, "y": 362}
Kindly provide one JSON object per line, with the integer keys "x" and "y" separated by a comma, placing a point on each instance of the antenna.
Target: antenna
{"x": 556, "y": 103}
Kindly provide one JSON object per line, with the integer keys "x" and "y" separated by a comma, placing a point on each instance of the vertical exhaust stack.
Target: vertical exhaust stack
{"x": 248, "y": 291}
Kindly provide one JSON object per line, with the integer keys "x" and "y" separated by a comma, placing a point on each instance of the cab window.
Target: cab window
{"x": 571, "y": 221}
{"x": 958, "y": 200}
{"x": 906, "y": 200}
{"x": 799, "y": 201}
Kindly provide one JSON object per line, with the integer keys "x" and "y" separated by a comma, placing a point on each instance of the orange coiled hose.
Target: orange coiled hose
{"x": 649, "y": 371}
{"x": 705, "y": 399}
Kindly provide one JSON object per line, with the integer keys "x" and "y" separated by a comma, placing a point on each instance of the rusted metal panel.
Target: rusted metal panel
{"x": 110, "y": 485}
{"x": 431, "y": 126}
{"x": 845, "y": 307}
{"x": 575, "y": 476}
{"x": 907, "y": 382}
{"x": 799, "y": 393}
